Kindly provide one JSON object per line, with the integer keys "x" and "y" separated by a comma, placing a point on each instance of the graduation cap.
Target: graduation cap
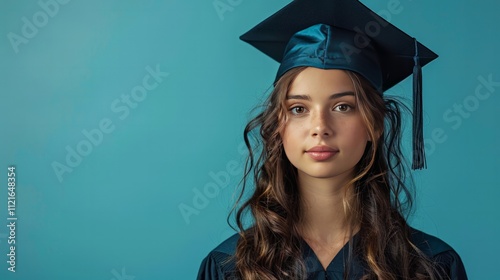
{"x": 345, "y": 34}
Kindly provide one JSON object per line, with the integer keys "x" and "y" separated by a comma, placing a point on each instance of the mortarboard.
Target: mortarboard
{"x": 345, "y": 34}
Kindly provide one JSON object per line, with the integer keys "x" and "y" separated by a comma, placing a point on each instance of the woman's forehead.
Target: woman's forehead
{"x": 314, "y": 81}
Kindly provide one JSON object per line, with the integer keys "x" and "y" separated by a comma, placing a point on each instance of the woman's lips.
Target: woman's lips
{"x": 321, "y": 153}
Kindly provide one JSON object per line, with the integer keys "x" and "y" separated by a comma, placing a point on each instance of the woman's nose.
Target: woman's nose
{"x": 321, "y": 125}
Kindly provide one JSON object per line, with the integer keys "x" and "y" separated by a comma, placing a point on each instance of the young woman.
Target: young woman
{"x": 331, "y": 192}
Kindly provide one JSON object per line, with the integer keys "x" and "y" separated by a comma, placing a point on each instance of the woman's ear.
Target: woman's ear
{"x": 378, "y": 133}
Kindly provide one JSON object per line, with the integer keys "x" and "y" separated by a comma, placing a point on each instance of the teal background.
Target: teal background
{"x": 117, "y": 216}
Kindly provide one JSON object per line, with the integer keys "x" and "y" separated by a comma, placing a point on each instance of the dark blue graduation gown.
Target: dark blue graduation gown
{"x": 216, "y": 267}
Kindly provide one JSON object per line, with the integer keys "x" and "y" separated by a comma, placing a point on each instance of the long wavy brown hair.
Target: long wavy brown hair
{"x": 270, "y": 248}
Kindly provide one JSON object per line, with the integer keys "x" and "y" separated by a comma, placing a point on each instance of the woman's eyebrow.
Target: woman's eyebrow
{"x": 307, "y": 97}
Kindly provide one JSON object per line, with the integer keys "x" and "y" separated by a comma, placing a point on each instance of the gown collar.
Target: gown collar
{"x": 338, "y": 263}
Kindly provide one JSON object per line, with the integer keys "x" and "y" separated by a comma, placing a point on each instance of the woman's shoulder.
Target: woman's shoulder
{"x": 440, "y": 253}
{"x": 228, "y": 246}
{"x": 429, "y": 244}
{"x": 219, "y": 263}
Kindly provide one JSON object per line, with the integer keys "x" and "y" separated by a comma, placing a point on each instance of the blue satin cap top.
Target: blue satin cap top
{"x": 326, "y": 47}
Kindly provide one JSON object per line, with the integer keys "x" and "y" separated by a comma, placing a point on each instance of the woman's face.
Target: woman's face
{"x": 324, "y": 135}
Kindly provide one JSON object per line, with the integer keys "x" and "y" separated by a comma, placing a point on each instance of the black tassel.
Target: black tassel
{"x": 418, "y": 130}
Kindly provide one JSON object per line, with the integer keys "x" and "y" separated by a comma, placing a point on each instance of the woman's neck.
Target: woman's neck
{"x": 324, "y": 222}
{"x": 324, "y": 218}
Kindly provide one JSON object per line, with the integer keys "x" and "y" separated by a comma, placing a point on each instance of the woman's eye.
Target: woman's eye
{"x": 343, "y": 108}
{"x": 297, "y": 110}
